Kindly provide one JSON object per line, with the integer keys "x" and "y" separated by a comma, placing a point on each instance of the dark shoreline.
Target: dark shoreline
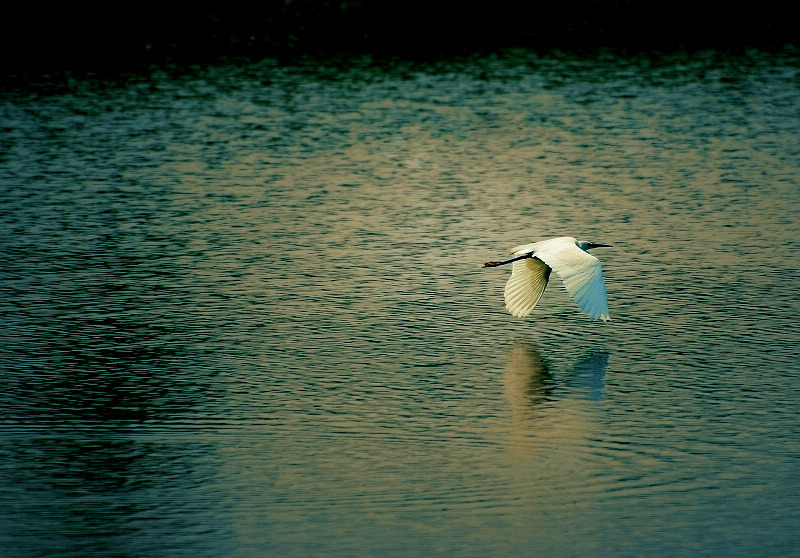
{"x": 67, "y": 37}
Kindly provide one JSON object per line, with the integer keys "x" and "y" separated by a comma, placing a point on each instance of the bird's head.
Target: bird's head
{"x": 586, "y": 246}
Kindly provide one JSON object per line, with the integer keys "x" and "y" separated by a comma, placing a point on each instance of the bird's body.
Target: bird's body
{"x": 579, "y": 271}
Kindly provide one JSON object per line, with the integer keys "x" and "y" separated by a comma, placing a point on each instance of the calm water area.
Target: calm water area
{"x": 243, "y": 312}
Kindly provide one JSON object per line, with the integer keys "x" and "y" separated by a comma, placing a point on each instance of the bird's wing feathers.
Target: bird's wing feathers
{"x": 580, "y": 272}
{"x": 525, "y": 287}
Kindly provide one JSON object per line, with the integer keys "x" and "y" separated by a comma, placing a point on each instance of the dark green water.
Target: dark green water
{"x": 243, "y": 309}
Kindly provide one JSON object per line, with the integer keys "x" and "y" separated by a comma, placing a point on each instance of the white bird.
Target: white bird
{"x": 579, "y": 271}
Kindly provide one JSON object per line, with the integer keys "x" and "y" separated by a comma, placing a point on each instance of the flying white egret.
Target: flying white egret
{"x": 579, "y": 271}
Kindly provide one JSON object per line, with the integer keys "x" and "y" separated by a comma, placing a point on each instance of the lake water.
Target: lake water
{"x": 244, "y": 314}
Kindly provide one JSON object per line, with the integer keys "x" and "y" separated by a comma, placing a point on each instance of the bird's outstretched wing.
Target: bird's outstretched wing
{"x": 525, "y": 287}
{"x": 580, "y": 272}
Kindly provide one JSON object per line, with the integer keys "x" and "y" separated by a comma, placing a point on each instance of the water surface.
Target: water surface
{"x": 244, "y": 312}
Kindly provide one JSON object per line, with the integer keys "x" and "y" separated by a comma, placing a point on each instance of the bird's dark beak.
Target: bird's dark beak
{"x": 591, "y": 245}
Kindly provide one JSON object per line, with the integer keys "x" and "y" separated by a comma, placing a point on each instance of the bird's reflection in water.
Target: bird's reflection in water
{"x": 527, "y": 378}
{"x": 589, "y": 375}
{"x": 547, "y": 403}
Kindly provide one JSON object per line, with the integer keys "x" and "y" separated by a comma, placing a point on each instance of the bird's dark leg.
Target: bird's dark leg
{"x": 504, "y": 262}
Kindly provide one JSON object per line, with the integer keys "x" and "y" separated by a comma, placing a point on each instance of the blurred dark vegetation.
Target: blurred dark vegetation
{"x": 65, "y": 34}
